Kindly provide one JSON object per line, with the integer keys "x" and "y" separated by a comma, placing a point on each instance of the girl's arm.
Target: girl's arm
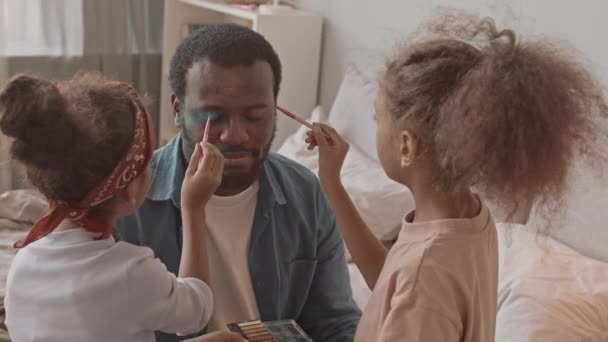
{"x": 202, "y": 178}
{"x": 367, "y": 252}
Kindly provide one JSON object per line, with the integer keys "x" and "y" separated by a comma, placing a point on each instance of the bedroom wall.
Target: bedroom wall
{"x": 362, "y": 31}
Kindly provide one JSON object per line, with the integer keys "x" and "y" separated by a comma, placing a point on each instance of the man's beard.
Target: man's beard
{"x": 234, "y": 180}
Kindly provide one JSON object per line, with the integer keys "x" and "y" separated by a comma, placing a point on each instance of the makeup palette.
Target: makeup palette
{"x": 272, "y": 331}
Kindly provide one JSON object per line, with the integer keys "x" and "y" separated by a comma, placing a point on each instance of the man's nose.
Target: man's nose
{"x": 234, "y": 133}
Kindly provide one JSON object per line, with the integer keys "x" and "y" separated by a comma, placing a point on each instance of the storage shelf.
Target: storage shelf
{"x": 222, "y": 8}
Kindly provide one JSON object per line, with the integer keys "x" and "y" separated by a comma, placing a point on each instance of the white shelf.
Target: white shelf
{"x": 222, "y": 8}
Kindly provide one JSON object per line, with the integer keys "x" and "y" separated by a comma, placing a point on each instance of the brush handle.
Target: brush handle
{"x": 206, "y": 134}
{"x": 303, "y": 122}
{"x": 295, "y": 117}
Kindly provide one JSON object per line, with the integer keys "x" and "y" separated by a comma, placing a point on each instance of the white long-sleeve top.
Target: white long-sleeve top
{"x": 68, "y": 287}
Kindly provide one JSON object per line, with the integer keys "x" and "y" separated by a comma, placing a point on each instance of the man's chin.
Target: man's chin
{"x": 242, "y": 171}
{"x": 237, "y": 178}
{"x": 235, "y": 181}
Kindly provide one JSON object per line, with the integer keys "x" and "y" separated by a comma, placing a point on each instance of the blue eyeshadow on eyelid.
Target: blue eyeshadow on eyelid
{"x": 200, "y": 117}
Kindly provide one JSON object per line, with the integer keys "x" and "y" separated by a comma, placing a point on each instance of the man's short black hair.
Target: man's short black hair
{"x": 227, "y": 45}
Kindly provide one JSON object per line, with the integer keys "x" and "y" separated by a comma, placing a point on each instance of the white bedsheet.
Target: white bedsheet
{"x": 361, "y": 292}
{"x": 10, "y": 232}
{"x": 19, "y": 209}
{"x": 547, "y": 291}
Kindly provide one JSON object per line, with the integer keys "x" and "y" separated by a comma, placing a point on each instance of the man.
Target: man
{"x": 274, "y": 249}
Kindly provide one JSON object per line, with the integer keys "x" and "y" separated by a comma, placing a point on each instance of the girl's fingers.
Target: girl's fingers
{"x": 195, "y": 160}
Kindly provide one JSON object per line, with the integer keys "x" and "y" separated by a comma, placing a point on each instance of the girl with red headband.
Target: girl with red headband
{"x": 86, "y": 145}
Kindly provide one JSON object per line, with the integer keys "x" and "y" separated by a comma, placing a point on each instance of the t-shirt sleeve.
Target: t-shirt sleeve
{"x": 420, "y": 311}
{"x": 407, "y": 322}
{"x": 164, "y": 302}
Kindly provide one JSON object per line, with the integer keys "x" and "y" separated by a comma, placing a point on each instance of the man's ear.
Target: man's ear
{"x": 407, "y": 148}
{"x": 175, "y": 104}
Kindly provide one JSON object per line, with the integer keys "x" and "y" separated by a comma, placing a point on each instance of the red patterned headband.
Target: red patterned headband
{"x": 130, "y": 166}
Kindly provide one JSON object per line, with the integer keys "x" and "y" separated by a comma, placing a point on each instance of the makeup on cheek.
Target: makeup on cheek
{"x": 200, "y": 119}
{"x": 212, "y": 117}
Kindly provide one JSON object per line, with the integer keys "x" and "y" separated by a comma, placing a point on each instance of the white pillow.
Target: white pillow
{"x": 361, "y": 291}
{"x": 584, "y": 227}
{"x": 294, "y": 146}
{"x": 22, "y": 205}
{"x": 352, "y": 113}
{"x": 19, "y": 209}
{"x": 380, "y": 201}
{"x": 547, "y": 291}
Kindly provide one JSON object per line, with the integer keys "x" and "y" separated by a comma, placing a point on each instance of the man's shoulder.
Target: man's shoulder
{"x": 288, "y": 169}
{"x": 160, "y": 152}
{"x": 295, "y": 180}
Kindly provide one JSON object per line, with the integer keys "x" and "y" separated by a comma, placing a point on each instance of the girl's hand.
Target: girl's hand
{"x": 332, "y": 152}
{"x": 203, "y": 176}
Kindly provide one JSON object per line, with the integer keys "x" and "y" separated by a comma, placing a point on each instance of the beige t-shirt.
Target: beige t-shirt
{"x": 439, "y": 284}
{"x": 230, "y": 221}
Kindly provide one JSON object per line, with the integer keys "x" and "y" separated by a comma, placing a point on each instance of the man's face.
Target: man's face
{"x": 242, "y": 100}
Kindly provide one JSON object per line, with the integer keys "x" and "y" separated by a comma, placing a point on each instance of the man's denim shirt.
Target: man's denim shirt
{"x": 296, "y": 255}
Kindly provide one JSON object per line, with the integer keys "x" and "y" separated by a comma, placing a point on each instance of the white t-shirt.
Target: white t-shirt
{"x": 230, "y": 221}
{"x": 69, "y": 287}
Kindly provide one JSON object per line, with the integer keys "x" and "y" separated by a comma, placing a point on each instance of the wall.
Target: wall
{"x": 363, "y": 32}
{"x": 360, "y": 31}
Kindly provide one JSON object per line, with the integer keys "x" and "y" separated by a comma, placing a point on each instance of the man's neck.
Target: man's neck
{"x": 186, "y": 151}
{"x": 225, "y": 192}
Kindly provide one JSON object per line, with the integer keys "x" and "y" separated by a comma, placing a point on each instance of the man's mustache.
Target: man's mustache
{"x": 238, "y": 149}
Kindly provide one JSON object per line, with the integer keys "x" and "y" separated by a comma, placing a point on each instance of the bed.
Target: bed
{"x": 551, "y": 287}
{"x": 18, "y": 211}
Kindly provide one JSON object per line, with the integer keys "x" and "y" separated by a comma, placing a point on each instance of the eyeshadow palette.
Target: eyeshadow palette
{"x": 272, "y": 331}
